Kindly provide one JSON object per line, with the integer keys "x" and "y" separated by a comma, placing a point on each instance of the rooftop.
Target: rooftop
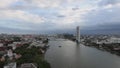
{"x": 28, "y": 65}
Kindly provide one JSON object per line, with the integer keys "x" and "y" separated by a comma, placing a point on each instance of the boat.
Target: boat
{"x": 60, "y": 46}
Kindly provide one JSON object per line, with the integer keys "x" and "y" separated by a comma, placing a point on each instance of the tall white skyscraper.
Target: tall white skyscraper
{"x": 78, "y": 34}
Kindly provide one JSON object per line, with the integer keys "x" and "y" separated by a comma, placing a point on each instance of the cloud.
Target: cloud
{"x": 71, "y": 17}
{"x": 107, "y": 2}
{"x": 31, "y": 4}
{"x": 6, "y": 3}
{"x": 107, "y": 14}
{"x": 51, "y": 15}
{"x": 19, "y": 15}
{"x": 49, "y": 3}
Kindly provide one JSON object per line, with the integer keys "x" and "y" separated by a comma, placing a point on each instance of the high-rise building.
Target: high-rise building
{"x": 78, "y": 34}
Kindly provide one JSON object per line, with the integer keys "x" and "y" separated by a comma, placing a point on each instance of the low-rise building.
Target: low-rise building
{"x": 10, "y": 65}
{"x": 28, "y": 65}
{"x": 2, "y": 50}
{"x": 1, "y": 44}
{"x": 114, "y": 40}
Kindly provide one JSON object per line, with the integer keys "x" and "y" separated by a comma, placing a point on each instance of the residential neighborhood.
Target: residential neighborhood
{"x": 11, "y": 49}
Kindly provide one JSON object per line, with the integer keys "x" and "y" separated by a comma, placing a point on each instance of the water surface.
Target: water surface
{"x": 71, "y": 55}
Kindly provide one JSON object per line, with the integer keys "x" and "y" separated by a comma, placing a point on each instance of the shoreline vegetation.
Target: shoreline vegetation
{"x": 32, "y": 55}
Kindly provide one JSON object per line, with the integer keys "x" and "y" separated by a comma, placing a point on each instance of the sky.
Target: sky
{"x": 47, "y": 16}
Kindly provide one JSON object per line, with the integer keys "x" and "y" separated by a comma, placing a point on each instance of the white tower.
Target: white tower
{"x": 78, "y": 34}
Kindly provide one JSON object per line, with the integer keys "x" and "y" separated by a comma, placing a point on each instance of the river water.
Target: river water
{"x": 71, "y": 55}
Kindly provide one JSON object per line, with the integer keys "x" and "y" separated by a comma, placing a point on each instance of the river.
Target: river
{"x": 71, "y": 55}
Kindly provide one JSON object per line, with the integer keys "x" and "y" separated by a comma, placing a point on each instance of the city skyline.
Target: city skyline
{"x": 42, "y": 16}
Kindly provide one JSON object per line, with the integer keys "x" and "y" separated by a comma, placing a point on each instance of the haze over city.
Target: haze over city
{"x": 43, "y": 16}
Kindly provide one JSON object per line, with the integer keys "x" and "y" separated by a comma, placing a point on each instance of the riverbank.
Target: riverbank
{"x": 113, "y": 48}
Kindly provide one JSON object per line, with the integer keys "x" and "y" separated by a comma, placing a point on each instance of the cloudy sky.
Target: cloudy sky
{"x": 45, "y": 16}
